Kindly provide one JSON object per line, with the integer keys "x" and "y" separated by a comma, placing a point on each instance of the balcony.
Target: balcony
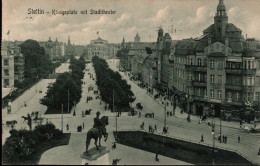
{"x": 233, "y": 87}
{"x": 200, "y": 84}
{"x": 199, "y": 98}
{"x": 233, "y": 71}
{"x": 249, "y": 71}
{"x": 196, "y": 68}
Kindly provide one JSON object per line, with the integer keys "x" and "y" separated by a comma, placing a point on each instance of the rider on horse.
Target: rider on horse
{"x": 97, "y": 122}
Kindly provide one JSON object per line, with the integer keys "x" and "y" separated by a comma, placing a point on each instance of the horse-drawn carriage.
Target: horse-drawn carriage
{"x": 88, "y": 112}
{"x": 132, "y": 112}
{"x": 149, "y": 115}
{"x": 11, "y": 122}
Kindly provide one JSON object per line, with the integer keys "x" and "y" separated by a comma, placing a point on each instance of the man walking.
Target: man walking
{"x": 238, "y": 139}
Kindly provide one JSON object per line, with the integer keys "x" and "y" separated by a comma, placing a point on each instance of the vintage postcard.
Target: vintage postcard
{"x": 130, "y": 82}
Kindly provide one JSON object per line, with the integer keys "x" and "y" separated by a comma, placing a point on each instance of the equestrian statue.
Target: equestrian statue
{"x": 97, "y": 131}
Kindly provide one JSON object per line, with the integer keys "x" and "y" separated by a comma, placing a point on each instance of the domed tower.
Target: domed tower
{"x": 137, "y": 38}
{"x": 220, "y": 21}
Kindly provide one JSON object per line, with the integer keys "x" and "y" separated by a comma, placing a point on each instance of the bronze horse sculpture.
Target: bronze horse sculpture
{"x": 96, "y": 134}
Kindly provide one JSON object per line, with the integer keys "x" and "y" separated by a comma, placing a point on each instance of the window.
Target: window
{"x": 191, "y": 63}
{"x": 199, "y": 62}
{"x": 237, "y": 96}
{"x": 257, "y": 96}
{"x": 212, "y": 64}
{"x": 248, "y": 81}
{"x": 6, "y": 71}
{"x": 199, "y": 77}
{"x": 219, "y": 93}
{"x": 6, "y": 83}
{"x": 212, "y": 78}
{"x": 229, "y": 95}
{"x": 190, "y": 77}
{"x": 6, "y": 62}
{"x": 199, "y": 92}
{"x": 211, "y": 93}
{"x": 220, "y": 79}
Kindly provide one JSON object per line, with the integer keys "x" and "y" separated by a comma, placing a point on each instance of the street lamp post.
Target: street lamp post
{"x": 213, "y": 149}
{"x": 62, "y": 117}
{"x": 165, "y": 115}
{"x": 220, "y": 124}
{"x": 68, "y": 100}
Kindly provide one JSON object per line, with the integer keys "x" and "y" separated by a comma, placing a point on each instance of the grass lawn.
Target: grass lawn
{"x": 43, "y": 146}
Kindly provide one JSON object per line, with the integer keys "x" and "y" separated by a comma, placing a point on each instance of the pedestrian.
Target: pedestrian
{"x": 238, "y": 139}
{"x": 83, "y": 125}
{"x": 156, "y": 157}
{"x": 78, "y": 128}
{"x": 67, "y": 126}
{"x": 74, "y": 113}
{"x": 155, "y": 127}
{"x": 223, "y": 138}
{"x": 202, "y": 140}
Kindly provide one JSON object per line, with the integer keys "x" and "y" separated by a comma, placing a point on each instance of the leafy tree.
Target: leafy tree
{"x": 110, "y": 82}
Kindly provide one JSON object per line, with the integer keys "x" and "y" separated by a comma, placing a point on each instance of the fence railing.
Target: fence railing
{"x": 194, "y": 142}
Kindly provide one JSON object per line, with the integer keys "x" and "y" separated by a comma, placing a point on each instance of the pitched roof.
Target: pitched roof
{"x": 209, "y": 29}
{"x": 231, "y": 27}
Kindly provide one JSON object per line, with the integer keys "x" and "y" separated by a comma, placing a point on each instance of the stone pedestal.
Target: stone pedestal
{"x": 94, "y": 154}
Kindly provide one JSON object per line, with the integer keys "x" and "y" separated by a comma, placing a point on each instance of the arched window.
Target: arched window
{"x": 199, "y": 62}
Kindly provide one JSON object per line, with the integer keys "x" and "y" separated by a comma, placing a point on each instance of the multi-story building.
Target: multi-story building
{"x": 102, "y": 49}
{"x": 218, "y": 68}
{"x": 163, "y": 52}
{"x": 7, "y": 66}
{"x": 54, "y": 50}
{"x": 13, "y": 49}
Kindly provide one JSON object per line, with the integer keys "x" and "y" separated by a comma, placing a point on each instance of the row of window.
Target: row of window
{"x": 219, "y": 80}
{"x": 248, "y": 64}
{"x": 249, "y": 81}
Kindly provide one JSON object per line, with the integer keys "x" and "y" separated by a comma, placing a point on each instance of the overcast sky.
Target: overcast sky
{"x": 188, "y": 17}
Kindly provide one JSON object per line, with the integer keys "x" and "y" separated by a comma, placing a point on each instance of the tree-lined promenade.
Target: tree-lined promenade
{"x": 67, "y": 88}
{"x": 111, "y": 85}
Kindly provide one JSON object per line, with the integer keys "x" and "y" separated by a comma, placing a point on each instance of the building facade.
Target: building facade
{"x": 102, "y": 49}
{"x": 217, "y": 69}
{"x": 54, "y": 49}
{"x": 7, "y": 66}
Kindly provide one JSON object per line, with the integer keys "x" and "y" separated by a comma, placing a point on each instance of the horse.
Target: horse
{"x": 25, "y": 118}
{"x": 95, "y": 134}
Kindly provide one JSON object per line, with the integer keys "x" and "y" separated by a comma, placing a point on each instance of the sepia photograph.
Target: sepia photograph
{"x": 130, "y": 82}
